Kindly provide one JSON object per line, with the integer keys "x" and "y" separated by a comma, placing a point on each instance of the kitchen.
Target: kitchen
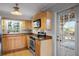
{"x": 22, "y": 38}
{"x": 34, "y": 32}
{"x": 27, "y": 35}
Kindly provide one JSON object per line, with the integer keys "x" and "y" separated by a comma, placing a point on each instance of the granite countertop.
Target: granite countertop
{"x": 4, "y": 35}
{"x": 31, "y": 35}
{"x": 17, "y": 34}
{"x": 37, "y": 38}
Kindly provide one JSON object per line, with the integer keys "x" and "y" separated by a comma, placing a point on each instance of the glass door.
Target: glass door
{"x": 66, "y": 33}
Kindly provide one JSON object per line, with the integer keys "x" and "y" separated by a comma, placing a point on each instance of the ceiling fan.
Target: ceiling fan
{"x": 16, "y": 10}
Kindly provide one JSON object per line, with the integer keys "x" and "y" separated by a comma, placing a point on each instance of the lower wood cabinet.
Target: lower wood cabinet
{"x": 14, "y": 42}
{"x": 28, "y": 41}
{"x": 37, "y": 47}
{"x": 43, "y": 47}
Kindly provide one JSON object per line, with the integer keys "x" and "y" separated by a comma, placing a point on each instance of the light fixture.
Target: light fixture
{"x": 16, "y": 10}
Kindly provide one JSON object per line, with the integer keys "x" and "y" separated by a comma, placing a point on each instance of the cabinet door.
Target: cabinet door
{"x": 7, "y": 43}
{"x": 28, "y": 41}
{"x": 10, "y": 43}
{"x": 43, "y": 23}
{"x": 23, "y": 40}
{"x": 4, "y": 43}
{"x": 16, "y": 42}
{"x": 28, "y": 24}
{"x": 37, "y": 48}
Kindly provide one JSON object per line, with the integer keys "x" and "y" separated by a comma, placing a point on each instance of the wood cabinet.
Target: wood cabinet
{"x": 44, "y": 16}
{"x": 28, "y": 24}
{"x": 28, "y": 41}
{"x": 37, "y": 47}
{"x": 43, "y": 47}
{"x": 41, "y": 15}
{"x": 7, "y": 43}
{"x": 14, "y": 42}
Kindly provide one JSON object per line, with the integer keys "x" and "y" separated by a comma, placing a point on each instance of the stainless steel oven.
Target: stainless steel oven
{"x": 32, "y": 44}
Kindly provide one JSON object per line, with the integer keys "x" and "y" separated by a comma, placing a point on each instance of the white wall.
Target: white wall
{"x": 62, "y": 6}
{"x": 0, "y": 26}
{"x": 77, "y": 31}
{"x": 0, "y": 34}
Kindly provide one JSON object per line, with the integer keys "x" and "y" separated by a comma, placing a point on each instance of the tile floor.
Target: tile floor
{"x": 20, "y": 53}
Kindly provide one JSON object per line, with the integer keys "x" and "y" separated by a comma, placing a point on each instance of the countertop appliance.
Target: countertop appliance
{"x": 41, "y": 34}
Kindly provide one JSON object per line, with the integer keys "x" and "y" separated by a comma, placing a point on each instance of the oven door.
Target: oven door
{"x": 32, "y": 44}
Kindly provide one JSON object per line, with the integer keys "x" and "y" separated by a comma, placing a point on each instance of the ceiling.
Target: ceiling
{"x": 27, "y": 9}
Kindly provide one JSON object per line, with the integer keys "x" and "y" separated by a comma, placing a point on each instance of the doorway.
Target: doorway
{"x": 65, "y": 33}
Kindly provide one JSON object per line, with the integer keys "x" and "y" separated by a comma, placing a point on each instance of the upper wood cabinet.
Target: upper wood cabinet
{"x": 43, "y": 23}
{"x": 28, "y": 24}
{"x": 44, "y": 16}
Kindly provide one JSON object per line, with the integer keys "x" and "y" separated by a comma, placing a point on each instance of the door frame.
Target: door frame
{"x": 76, "y": 33}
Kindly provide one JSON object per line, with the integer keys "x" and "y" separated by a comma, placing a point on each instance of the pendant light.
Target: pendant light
{"x": 16, "y": 10}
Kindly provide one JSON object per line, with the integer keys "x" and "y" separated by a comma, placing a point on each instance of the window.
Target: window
{"x": 13, "y": 26}
{"x": 69, "y": 30}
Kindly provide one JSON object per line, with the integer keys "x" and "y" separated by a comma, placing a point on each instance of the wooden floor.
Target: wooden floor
{"x": 20, "y": 53}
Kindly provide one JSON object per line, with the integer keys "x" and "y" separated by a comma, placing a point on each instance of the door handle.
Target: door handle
{"x": 57, "y": 38}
